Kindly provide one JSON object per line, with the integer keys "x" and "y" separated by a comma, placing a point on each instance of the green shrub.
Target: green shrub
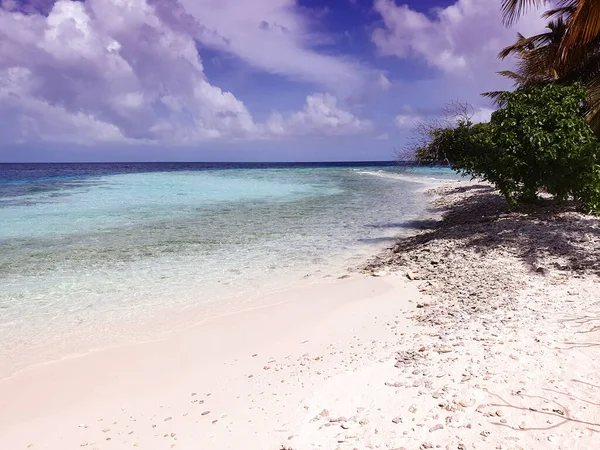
{"x": 537, "y": 140}
{"x": 541, "y": 140}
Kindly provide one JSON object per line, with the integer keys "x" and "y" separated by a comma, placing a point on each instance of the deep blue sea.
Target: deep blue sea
{"x": 88, "y": 248}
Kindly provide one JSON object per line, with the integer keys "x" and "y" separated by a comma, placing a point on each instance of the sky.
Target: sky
{"x": 240, "y": 80}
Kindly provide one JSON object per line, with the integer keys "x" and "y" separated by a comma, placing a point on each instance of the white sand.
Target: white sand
{"x": 265, "y": 374}
{"x": 319, "y": 333}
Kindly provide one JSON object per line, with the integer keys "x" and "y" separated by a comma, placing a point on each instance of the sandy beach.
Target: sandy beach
{"x": 482, "y": 331}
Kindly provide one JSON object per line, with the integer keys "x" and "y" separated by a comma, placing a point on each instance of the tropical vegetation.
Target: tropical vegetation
{"x": 538, "y": 140}
{"x": 544, "y": 134}
{"x": 568, "y": 52}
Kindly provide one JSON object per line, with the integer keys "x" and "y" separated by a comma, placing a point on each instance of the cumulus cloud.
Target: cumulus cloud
{"x": 408, "y": 117}
{"x": 459, "y": 43}
{"x": 463, "y": 37}
{"x": 482, "y": 115}
{"x": 276, "y": 36}
{"x": 406, "y": 120}
{"x": 321, "y": 115}
{"x": 130, "y": 71}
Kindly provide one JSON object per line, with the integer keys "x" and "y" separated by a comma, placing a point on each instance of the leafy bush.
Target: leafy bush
{"x": 537, "y": 140}
{"x": 541, "y": 140}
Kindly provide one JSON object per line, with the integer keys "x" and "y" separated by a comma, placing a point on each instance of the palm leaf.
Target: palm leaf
{"x": 513, "y": 9}
{"x": 584, "y": 23}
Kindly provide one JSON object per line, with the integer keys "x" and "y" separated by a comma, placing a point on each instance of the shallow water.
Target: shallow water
{"x": 86, "y": 246}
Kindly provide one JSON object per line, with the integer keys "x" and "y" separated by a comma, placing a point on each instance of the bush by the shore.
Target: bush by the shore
{"x": 538, "y": 140}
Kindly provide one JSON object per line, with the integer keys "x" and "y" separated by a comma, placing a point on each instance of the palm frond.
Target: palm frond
{"x": 584, "y": 23}
{"x": 564, "y": 11}
{"x": 496, "y": 96}
{"x": 513, "y": 9}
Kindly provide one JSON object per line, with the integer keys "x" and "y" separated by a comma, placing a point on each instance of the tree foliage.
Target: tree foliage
{"x": 568, "y": 52}
{"x": 432, "y": 139}
{"x": 538, "y": 140}
{"x": 582, "y": 17}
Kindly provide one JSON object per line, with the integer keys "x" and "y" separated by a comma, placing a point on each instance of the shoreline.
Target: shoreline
{"x": 165, "y": 321}
{"x": 478, "y": 332}
{"x": 248, "y": 349}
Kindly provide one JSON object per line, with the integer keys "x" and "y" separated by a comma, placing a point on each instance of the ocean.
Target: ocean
{"x": 97, "y": 254}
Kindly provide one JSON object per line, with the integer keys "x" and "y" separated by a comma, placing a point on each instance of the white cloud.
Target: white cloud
{"x": 408, "y": 117}
{"x": 463, "y": 37}
{"x": 383, "y": 82}
{"x": 276, "y": 36}
{"x": 407, "y": 120}
{"x": 129, "y": 71}
{"x": 320, "y": 115}
{"x": 482, "y": 115}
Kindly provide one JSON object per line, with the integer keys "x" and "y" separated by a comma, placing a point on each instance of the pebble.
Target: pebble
{"x": 397, "y": 420}
{"x": 205, "y": 413}
{"x": 338, "y": 419}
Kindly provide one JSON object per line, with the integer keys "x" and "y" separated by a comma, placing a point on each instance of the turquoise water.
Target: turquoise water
{"x": 82, "y": 254}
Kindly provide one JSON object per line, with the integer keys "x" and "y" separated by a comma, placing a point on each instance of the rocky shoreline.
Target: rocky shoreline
{"x": 508, "y": 355}
{"x": 482, "y": 254}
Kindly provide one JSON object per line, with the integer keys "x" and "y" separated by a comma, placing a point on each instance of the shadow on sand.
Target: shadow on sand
{"x": 544, "y": 235}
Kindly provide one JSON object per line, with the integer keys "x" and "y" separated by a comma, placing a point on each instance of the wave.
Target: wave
{"x": 412, "y": 178}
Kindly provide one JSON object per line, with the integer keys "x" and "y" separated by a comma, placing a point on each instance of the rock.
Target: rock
{"x": 338, "y": 419}
{"x": 345, "y": 426}
{"x": 205, "y": 413}
{"x": 168, "y": 418}
{"x": 439, "y": 426}
{"x": 363, "y": 422}
{"x": 397, "y": 420}
{"x": 412, "y": 408}
{"x": 412, "y": 276}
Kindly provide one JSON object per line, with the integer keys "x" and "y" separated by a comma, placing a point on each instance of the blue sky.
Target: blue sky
{"x": 239, "y": 80}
